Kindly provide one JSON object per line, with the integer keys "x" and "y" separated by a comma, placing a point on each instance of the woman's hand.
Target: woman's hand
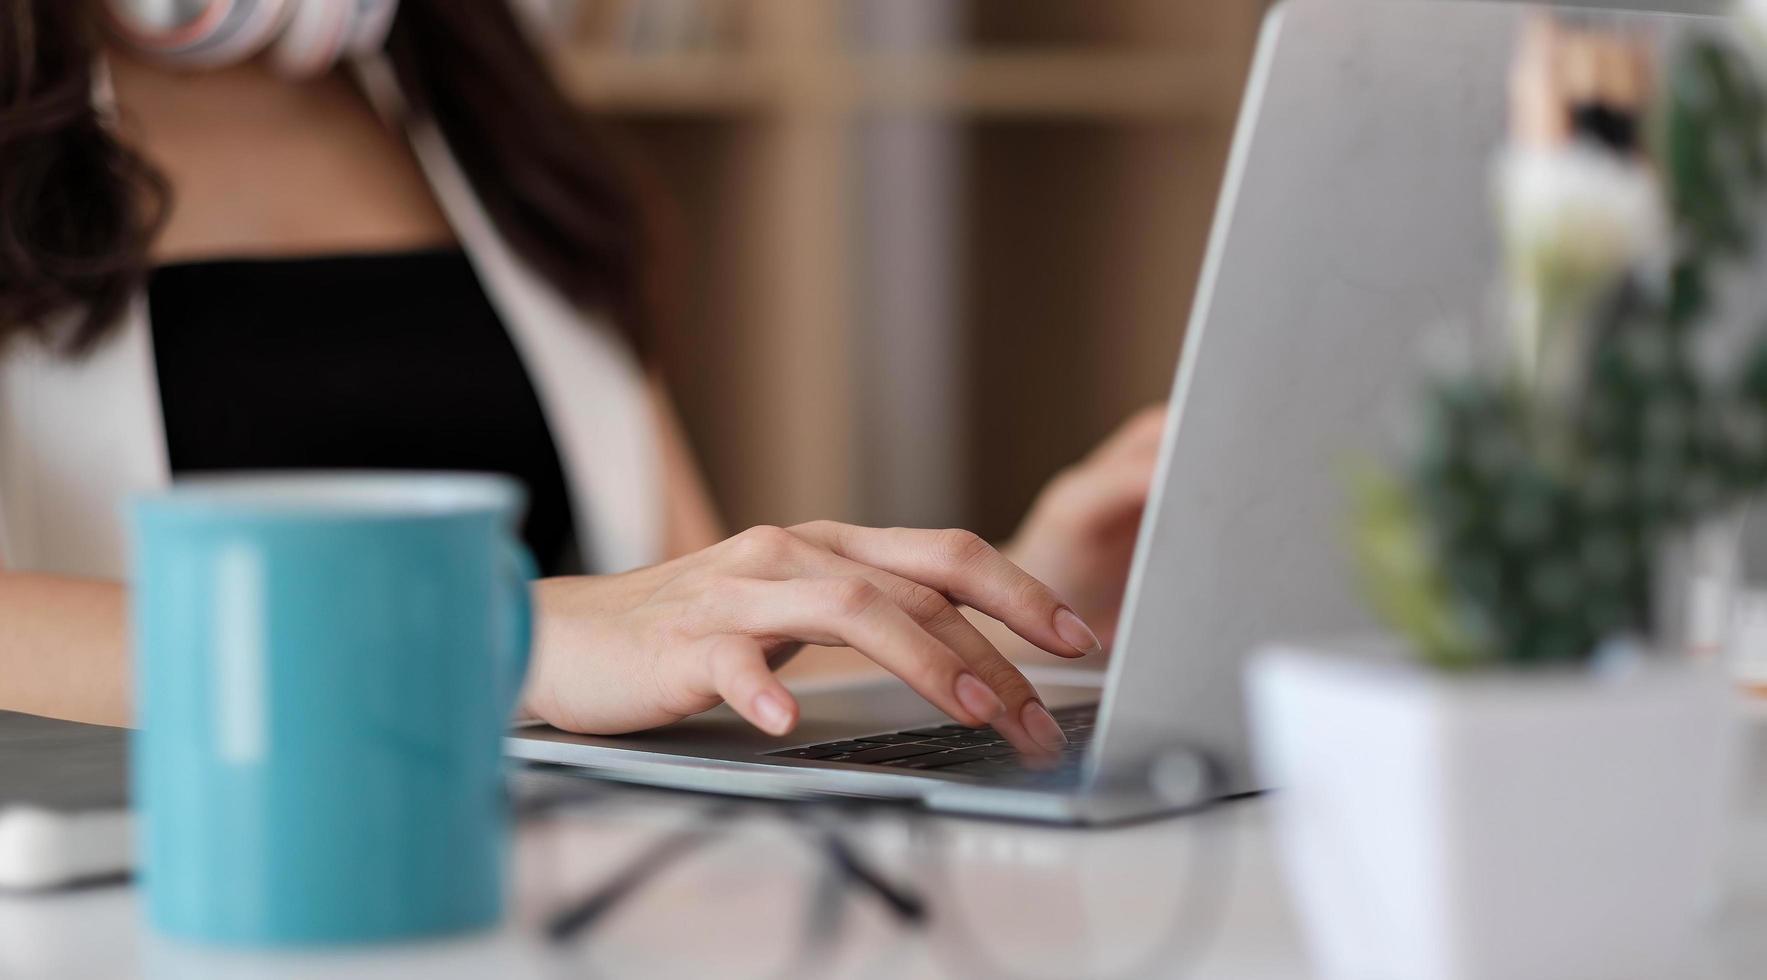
{"x": 1080, "y": 533}
{"x": 626, "y": 652}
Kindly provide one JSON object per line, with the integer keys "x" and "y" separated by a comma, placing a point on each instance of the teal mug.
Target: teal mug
{"x": 325, "y": 666}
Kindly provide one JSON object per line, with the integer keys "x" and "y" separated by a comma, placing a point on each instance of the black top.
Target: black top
{"x": 374, "y": 361}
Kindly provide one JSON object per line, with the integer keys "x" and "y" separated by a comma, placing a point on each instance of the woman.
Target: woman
{"x": 427, "y": 264}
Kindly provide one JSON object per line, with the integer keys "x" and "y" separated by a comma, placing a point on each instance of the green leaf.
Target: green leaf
{"x": 1400, "y": 575}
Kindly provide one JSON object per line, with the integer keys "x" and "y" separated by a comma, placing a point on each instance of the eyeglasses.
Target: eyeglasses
{"x": 576, "y": 920}
{"x": 780, "y": 877}
{"x": 794, "y": 888}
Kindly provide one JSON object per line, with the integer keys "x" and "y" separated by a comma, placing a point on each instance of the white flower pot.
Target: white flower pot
{"x": 1503, "y": 826}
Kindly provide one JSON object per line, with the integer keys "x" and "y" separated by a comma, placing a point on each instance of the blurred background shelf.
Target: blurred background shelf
{"x": 1054, "y": 83}
{"x": 1066, "y": 84}
{"x": 924, "y": 252}
{"x": 674, "y": 83}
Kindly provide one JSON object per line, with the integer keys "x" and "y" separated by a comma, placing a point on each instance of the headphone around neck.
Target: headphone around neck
{"x": 304, "y": 37}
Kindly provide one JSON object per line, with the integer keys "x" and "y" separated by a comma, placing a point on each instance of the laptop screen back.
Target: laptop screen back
{"x": 1357, "y": 219}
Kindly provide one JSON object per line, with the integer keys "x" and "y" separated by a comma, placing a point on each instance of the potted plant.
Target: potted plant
{"x": 1527, "y": 778}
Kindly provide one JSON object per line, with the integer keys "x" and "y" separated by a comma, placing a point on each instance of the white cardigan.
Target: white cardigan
{"x": 77, "y": 437}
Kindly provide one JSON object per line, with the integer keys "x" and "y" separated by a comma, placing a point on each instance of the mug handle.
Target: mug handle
{"x": 518, "y": 572}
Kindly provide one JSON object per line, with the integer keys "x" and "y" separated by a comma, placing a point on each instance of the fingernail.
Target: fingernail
{"x": 1042, "y": 727}
{"x": 1076, "y": 633}
{"x": 774, "y": 714}
{"x": 977, "y": 698}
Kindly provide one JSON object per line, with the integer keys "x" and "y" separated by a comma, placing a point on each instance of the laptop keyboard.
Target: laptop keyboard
{"x": 955, "y": 750}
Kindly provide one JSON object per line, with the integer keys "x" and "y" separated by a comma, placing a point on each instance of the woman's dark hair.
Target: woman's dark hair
{"x": 79, "y": 209}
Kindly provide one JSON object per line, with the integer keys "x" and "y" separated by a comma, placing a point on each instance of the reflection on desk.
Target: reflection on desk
{"x": 1202, "y": 895}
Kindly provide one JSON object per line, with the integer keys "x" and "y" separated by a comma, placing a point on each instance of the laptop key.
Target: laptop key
{"x": 928, "y": 761}
{"x": 893, "y": 738}
{"x": 907, "y": 761}
{"x": 885, "y": 753}
{"x": 812, "y": 752}
{"x": 852, "y": 745}
{"x": 934, "y": 731}
{"x": 951, "y": 758}
{"x": 960, "y": 741}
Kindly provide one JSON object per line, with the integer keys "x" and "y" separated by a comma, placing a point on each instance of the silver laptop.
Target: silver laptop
{"x": 1355, "y": 218}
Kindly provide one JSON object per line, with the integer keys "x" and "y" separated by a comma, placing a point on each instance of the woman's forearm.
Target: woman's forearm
{"x": 64, "y": 648}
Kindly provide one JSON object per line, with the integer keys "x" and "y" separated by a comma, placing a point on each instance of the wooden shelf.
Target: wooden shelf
{"x": 684, "y": 84}
{"x": 1071, "y": 200}
{"x": 1055, "y": 84}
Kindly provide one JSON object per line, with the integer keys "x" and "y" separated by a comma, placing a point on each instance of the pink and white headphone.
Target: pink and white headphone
{"x": 304, "y": 37}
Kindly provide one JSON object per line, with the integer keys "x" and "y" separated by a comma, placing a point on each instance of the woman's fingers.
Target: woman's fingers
{"x": 777, "y": 556}
{"x": 736, "y": 667}
{"x": 1140, "y": 435}
{"x": 1027, "y": 724}
{"x": 969, "y": 570}
{"x": 853, "y": 612}
{"x": 1102, "y": 494}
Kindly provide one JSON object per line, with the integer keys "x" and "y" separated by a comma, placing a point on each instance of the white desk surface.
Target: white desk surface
{"x": 1043, "y": 902}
